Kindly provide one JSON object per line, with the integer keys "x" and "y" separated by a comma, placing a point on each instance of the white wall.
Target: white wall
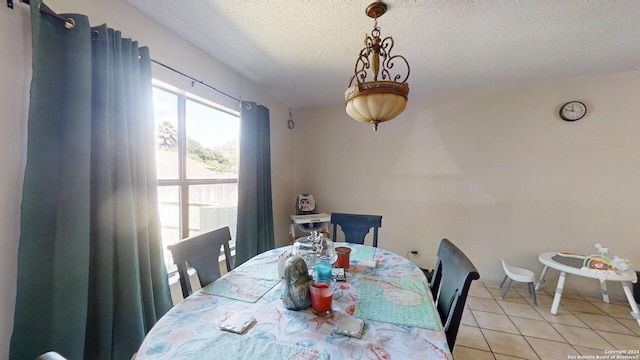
{"x": 495, "y": 171}
{"x": 15, "y": 76}
{"x": 15, "y": 73}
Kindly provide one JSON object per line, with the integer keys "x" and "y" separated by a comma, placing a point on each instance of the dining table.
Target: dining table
{"x": 386, "y": 292}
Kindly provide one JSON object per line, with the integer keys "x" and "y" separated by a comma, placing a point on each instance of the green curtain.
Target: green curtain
{"x": 91, "y": 279}
{"x": 255, "y": 213}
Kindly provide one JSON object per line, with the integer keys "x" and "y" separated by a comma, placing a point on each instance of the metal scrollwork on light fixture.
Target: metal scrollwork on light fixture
{"x": 378, "y": 100}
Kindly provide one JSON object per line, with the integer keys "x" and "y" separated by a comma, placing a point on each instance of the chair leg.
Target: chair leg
{"x": 506, "y": 288}
{"x": 533, "y": 293}
{"x": 503, "y": 280}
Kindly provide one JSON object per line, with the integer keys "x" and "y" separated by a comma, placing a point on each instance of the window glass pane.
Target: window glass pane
{"x": 212, "y": 155}
{"x": 165, "y": 107}
{"x": 212, "y": 142}
{"x": 213, "y": 206}
{"x": 169, "y": 209}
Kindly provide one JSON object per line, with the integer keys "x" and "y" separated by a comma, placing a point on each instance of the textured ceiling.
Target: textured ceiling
{"x": 303, "y": 51}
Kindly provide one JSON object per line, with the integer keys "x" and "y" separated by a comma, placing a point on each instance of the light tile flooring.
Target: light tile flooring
{"x": 513, "y": 328}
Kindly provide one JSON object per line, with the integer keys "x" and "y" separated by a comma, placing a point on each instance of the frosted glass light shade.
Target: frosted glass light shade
{"x": 376, "y": 101}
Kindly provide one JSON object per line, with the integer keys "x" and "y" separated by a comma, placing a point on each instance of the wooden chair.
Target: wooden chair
{"x": 451, "y": 281}
{"x": 355, "y": 226}
{"x": 202, "y": 252}
{"x": 436, "y": 277}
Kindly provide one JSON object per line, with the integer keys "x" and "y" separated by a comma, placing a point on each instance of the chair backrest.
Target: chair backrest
{"x": 518, "y": 274}
{"x": 436, "y": 277}
{"x": 202, "y": 253}
{"x": 454, "y": 273}
{"x": 355, "y": 226}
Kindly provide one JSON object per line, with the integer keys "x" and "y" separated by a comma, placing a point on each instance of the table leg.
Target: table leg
{"x": 556, "y": 298}
{"x": 603, "y": 290}
{"x": 626, "y": 286}
{"x": 541, "y": 280}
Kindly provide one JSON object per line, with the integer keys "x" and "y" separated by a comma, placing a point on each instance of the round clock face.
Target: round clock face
{"x": 573, "y": 110}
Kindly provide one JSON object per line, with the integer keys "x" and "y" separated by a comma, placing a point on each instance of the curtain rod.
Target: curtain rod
{"x": 195, "y": 80}
{"x": 69, "y": 23}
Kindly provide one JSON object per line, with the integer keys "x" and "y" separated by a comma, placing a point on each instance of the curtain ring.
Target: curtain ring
{"x": 69, "y": 23}
{"x": 247, "y": 106}
{"x": 95, "y": 34}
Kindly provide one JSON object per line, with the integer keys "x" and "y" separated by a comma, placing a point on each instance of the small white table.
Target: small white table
{"x": 625, "y": 279}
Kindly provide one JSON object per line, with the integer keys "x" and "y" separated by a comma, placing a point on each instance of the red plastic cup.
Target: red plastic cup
{"x": 343, "y": 257}
{"x": 321, "y": 296}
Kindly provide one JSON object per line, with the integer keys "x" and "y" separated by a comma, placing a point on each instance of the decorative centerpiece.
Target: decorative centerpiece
{"x": 296, "y": 294}
{"x": 325, "y": 249}
{"x": 314, "y": 248}
{"x": 305, "y": 247}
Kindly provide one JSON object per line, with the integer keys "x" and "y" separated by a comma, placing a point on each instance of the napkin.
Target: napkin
{"x": 238, "y": 323}
{"x": 368, "y": 263}
{"x": 348, "y": 325}
{"x": 362, "y": 253}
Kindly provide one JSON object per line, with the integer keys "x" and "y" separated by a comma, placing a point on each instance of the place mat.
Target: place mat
{"x": 243, "y": 347}
{"x": 246, "y": 284}
{"x": 396, "y": 301}
{"x": 362, "y": 253}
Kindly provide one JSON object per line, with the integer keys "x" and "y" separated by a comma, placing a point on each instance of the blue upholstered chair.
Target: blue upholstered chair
{"x": 355, "y": 226}
{"x": 451, "y": 281}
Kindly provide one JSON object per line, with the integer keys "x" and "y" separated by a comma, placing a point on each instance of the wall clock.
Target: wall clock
{"x": 573, "y": 110}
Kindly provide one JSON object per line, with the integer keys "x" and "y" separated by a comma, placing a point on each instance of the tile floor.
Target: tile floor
{"x": 513, "y": 328}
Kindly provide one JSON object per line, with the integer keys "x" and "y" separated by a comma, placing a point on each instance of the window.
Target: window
{"x": 197, "y": 165}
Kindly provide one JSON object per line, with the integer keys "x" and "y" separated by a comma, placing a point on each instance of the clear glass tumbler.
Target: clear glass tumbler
{"x": 322, "y": 296}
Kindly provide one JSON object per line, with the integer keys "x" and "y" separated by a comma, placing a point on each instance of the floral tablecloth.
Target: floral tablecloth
{"x": 190, "y": 330}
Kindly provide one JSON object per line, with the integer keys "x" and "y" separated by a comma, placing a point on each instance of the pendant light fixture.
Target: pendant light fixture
{"x": 381, "y": 100}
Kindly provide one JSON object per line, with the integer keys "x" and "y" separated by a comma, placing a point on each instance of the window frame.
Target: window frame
{"x": 182, "y": 182}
